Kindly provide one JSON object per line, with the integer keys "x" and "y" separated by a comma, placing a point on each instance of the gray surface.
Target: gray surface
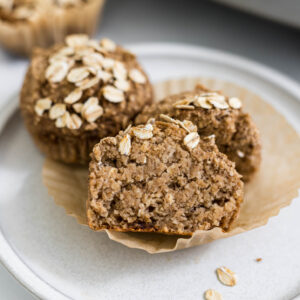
{"x": 193, "y": 22}
{"x": 285, "y": 11}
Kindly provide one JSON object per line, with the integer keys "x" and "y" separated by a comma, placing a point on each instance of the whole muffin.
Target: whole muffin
{"x": 78, "y": 92}
{"x": 25, "y": 24}
{"x": 162, "y": 177}
{"x": 215, "y": 114}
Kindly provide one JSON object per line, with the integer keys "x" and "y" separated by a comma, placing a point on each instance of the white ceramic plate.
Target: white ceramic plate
{"x": 55, "y": 258}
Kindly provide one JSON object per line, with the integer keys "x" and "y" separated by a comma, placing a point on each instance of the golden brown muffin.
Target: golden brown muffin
{"x": 214, "y": 114}
{"x": 25, "y": 24}
{"x": 162, "y": 177}
{"x": 81, "y": 91}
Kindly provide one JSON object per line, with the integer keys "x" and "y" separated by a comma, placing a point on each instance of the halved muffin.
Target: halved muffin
{"x": 162, "y": 177}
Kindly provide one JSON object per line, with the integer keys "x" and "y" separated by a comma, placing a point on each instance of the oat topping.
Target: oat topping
{"x": 202, "y": 102}
{"x": 85, "y": 64}
{"x": 90, "y": 102}
{"x": 192, "y": 140}
{"x": 94, "y": 69}
{"x": 151, "y": 121}
{"x": 66, "y": 51}
{"x": 235, "y": 102}
{"x": 93, "y": 113}
{"x": 60, "y": 122}
{"x": 42, "y": 105}
{"x": 91, "y": 110}
{"x": 182, "y": 106}
{"x": 127, "y": 130}
{"x": 137, "y": 76}
{"x": 103, "y": 75}
{"x": 208, "y": 101}
{"x": 108, "y": 44}
{"x": 212, "y": 136}
{"x": 119, "y": 70}
{"x": 108, "y": 63}
{"x": 78, "y": 107}
{"x": 122, "y": 85}
{"x": 219, "y": 103}
{"x": 87, "y": 83}
{"x": 71, "y": 121}
{"x": 73, "y": 96}
{"x": 57, "y": 110}
{"x": 74, "y": 121}
{"x": 240, "y": 153}
{"x": 58, "y": 58}
{"x": 186, "y": 125}
{"x": 93, "y": 59}
{"x": 125, "y": 145}
{"x": 212, "y": 295}
{"x": 57, "y": 71}
{"x": 96, "y": 46}
{"x": 184, "y": 102}
{"x": 77, "y": 40}
{"x": 113, "y": 94}
{"x": 168, "y": 119}
{"x": 90, "y": 126}
{"x": 226, "y": 276}
{"x": 78, "y": 74}
{"x": 189, "y": 126}
{"x": 81, "y": 52}
{"x": 143, "y": 133}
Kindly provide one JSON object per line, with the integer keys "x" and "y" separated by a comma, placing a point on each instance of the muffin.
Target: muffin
{"x": 214, "y": 114}
{"x": 78, "y": 92}
{"x": 25, "y": 24}
{"x": 162, "y": 177}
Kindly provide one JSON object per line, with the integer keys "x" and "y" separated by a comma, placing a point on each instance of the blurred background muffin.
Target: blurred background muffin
{"x": 25, "y": 24}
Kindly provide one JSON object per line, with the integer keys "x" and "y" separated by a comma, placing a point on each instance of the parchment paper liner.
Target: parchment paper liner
{"x": 273, "y": 187}
{"x": 50, "y": 25}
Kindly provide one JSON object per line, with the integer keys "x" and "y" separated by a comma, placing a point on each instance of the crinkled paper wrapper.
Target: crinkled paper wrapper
{"x": 272, "y": 188}
{"x": 50, "y": 26}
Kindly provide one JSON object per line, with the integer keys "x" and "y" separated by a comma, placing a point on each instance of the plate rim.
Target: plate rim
{"x": 10, "y": 259}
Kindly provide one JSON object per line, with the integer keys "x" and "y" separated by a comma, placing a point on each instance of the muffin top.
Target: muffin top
{"x": 162, "y": 177}
{"x": 25, "y": 10}
{"x": 215, "y": 114}
{"x": 84, "y": 85}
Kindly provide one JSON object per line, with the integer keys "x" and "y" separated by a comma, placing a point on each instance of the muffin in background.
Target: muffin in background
{"x": 78, "y": 92}
{"x": 25, "y": 24}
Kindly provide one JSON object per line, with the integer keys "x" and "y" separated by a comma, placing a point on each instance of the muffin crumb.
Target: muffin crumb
{"x": 159, "y": 177}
